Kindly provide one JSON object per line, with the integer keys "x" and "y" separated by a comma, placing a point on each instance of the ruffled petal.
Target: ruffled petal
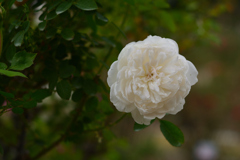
{"x": 139, "y": 118}
{"x": 119, "y": 102}
{"x": 178, "y": 107}
{"x": 192, "y": 73}
{"x": 112, "y": 74}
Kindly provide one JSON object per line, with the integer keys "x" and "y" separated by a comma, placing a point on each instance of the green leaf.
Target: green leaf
{"x": 91, "y": 103}
{"x": 51, "y": 33}
{"x": 90, "y": 87}
{"x": 61, "y": 51}
{"x": 64, "y": 89}
{"x": 10, "y": 3}
{"x": 22, "y": 60}
{"x": 77, "y": 82}
{"x": 7, "y": 95}
{"x": 30, "y": 104}
{"x": 100, "y": 19}
{"x": 92, "y": 62}
{"x": 17, "y": 110}
{"x": 43, "y": 15}
{"x": 52, "y": 76}
{"x": 12, "y": 73}
{"x": 67, "y": 34}
{"x": 26, "y": 26}
{"x": 66, "y": 71}
{"x": 172, "y": 133}
{"x": 3, "y": 65}
{"x": 139, "y": 127}
{"x": 42, "y": 25}
{"x": 40, "y": 94}
{"x": 104, "y": 105}
{"x": 91, "y": 23}
{"x": 16, "y": 103}
{"x": 77, "y": 95}
{"x": 18, "y": 38}
{"x": 10, "y": 28}
{"x": 16, "y": 23}
{"x": 11, "y": 50}
{"x": 51, "y": 15}
{"x": 63, "y": 7}
{"x": 86, "y": 5}
{"x": 53, "y": 5}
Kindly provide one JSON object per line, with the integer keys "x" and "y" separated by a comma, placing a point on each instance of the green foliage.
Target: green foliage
{"x": 18, "y": 38}
{"x": 172, "y": 133}
{"x": 67, "y": 34}
{"x": 91, "y": 104}
{"x": 40, "y": 94}
{"x": 64, "y": 89}
{"x": 12, "y": 73}
{"x": 22, "y": 60}
{"x": 86, "y": 5}
{"x": 10, "y": 52}
{"x": 77, "y": 95}
{"x": 3, "y": 65}
{"x": 7, "y": 95}
{"x": 100, "y": 19}
{"x": 30, "y": 104}
{"x": 17, "y": 110}
{"x": 42, "y": 25}
{"x": 64, "y": 6}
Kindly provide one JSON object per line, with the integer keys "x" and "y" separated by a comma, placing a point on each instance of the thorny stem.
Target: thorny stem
{"x": 60, "y": 139}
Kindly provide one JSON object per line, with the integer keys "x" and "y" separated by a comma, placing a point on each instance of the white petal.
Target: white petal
{"x": 192, "y": 73}
{"x": 178, "y": 108}
{"x": 115, "y": 100}
{"x": 155, "y": 115}
{"x": 112, "y": 74}
{"x": 129, "y": 108}
{"x": 173, "y": 44}
{"x": 139, "y": 118}
{"x": 119, "y": 102}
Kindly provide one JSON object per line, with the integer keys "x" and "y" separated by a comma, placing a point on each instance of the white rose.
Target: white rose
{"x": 150, "y": 79}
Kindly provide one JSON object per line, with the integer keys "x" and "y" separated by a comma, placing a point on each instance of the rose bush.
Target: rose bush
{"x": 150, "y": 79}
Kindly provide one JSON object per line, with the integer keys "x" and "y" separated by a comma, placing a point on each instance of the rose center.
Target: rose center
{"x": 150, "y": 75}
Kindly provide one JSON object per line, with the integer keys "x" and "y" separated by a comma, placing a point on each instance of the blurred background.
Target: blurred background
{"x": 208, "y": 34}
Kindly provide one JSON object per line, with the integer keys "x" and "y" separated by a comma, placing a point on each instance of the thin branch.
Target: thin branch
{"x": 105, "y": 59}
{"x": 109, "y": 125}
{"x": 111, "y": 48}
{"x": 60, "y": 139}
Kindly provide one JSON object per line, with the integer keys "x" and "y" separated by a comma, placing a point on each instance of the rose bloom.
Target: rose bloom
{"x": 150, "y": 79}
